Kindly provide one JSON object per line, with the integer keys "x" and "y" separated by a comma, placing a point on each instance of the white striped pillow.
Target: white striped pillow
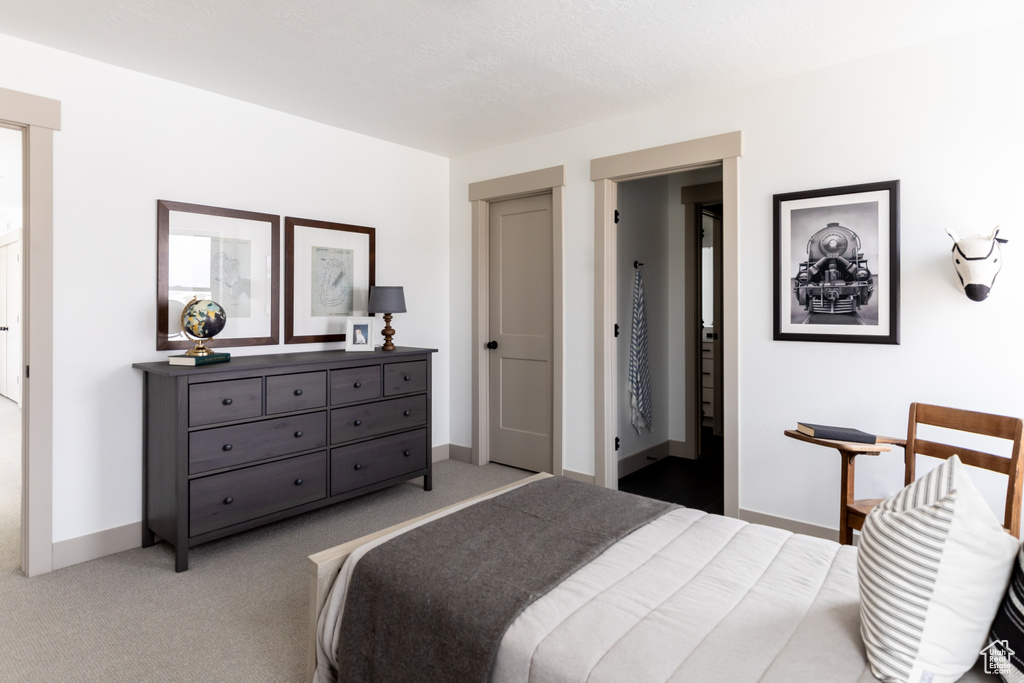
{"x": 933, "y": 564}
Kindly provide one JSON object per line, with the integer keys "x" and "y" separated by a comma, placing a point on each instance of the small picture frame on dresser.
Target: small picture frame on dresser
{"x": 359, "y": 334}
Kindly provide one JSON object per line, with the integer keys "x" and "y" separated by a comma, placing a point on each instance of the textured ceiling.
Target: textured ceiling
{"x": 451, "y": 76}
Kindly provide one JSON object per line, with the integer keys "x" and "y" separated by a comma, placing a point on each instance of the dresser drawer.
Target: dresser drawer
{"x": 296, "y": 392}
{"x": 405, "y": 378}
{"x": 364, "y": 421}
{"x": 221, "y": 500}
{"x": 353, "y": 467}
{"x": 212, "y": 402}
{"x": 355, "y": 384}
{"x": 213, "y": 449}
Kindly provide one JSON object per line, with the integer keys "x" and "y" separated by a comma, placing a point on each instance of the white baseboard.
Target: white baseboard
{"x": 439, "y": 453}
{"x": 790, "y": 525}
{"x": 91, "y": 546}
{"x": 460, "y": 453}
{"x": 578, "y": 476}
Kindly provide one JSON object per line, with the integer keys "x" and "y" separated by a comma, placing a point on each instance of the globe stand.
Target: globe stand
{"x": 199, "y": 349}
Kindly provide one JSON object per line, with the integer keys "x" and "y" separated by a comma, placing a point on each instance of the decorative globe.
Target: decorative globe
{"x": 201, "y": 320}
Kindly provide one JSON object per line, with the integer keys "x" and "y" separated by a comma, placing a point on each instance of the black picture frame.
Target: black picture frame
{"x": 212, "y": 223}
{"x": 837, "y": 264}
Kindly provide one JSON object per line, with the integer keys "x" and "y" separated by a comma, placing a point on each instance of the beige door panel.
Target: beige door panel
{"x": 520, "y": 290}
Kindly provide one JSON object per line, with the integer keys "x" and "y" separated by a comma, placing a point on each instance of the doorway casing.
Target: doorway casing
{"x": 481, "y": 194}
{"x": 606, "y": 173}
{"x": 38, "y": 117}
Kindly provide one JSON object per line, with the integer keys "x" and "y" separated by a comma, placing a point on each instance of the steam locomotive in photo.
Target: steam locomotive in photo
{"x": 835, "y": 277}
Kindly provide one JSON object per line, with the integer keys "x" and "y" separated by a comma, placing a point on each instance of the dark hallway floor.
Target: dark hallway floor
{"x": 692, "y": 483}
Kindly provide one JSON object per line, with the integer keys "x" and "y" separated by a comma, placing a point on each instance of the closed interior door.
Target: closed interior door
{"x": 520, "y": 286}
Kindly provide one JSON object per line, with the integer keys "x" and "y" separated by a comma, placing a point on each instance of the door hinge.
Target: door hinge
{"x": 616, "y": 215}
{"x": 616, "y": 329}
{"x": 26, "y": 372}
{"x": 617, "y": 443}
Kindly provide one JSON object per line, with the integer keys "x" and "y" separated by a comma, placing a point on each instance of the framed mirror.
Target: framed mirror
{"x": 229, "y": 256}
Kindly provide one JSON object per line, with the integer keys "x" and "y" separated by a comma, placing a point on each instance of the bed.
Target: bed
{"x": 684, "y": 596}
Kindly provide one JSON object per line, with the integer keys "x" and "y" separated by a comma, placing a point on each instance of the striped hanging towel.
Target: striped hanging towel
{"x": 639, "y": 375}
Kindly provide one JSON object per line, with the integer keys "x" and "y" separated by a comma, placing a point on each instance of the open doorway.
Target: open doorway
{"x": 11, "y": 213}
{"x": 665, "y": 256}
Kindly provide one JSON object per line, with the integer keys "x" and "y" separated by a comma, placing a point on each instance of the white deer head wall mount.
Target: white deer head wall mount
{"x": 978, "y": 259}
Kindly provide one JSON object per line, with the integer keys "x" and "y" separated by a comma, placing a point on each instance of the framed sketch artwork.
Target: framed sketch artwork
{"x": 837, "y": 264}
{"x": 329, "y": 268}
{"x": 227, "y": 255}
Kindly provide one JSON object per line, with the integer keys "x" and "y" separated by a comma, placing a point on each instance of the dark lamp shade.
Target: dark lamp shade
{"x": 386, "y": 300}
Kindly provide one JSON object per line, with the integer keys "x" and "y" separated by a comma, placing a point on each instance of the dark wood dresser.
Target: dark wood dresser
{"x": 236, "y": 445}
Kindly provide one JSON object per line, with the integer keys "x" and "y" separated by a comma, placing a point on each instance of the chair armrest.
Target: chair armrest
{"x": 844, "y": 446}
{"x": 902, "y": 443}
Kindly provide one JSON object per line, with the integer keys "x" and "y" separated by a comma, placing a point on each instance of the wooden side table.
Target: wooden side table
{"x": 849, "y": 450}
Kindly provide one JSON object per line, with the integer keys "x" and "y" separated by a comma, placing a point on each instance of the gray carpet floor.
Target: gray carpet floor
{"x": 238, "y": 613}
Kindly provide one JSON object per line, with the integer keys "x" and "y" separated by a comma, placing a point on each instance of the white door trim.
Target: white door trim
{"x": 606, "y": 173}
{"x": 481, "y": 194}
{"x": 38, "y": 117}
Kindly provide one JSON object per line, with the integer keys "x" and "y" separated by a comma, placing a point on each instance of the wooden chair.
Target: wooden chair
{"x": 853, "y": 512}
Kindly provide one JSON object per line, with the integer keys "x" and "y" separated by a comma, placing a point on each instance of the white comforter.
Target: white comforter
{"x": 692, "y": 597}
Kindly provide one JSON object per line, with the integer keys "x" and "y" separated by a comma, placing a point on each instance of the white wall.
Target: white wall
{"x": 679, "y": 376}
{"x": 10, "y": 179}
{"x": 644, "y": 236}
{"x": 944, "y": 118}
{"x": 128, "y": 140}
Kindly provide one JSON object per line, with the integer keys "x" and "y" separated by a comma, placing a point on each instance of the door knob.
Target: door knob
{"x": 492, "y": 344}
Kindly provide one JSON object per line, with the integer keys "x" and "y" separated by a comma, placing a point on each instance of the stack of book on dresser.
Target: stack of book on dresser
{"x": 208, "y": 359}
{"x": 835, "y": 433}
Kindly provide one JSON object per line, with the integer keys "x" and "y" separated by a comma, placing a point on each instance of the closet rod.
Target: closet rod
{"x": 637, "y": 264}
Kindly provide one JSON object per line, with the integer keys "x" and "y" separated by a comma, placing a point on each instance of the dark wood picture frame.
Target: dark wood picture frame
{"x": 164, "y": 220}
{"x": 291, "y": 224}
{"x": 869, "y": 211}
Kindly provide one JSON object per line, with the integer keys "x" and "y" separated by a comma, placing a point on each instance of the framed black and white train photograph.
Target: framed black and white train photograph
{"x": 837, "y": 265}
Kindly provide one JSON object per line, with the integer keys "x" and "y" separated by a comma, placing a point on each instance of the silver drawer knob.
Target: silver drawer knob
{"x": 298, "y": 392}
{"x": 227, "y": 401}
{"x": 407, "y": 453}
{"x": 227, "y": 447}
{"x": 357, "y": 423}
{"x": 407, "y": 378}
{"x": 298, "y": 482}
{"x": 407, "y": 413}
{"x": 358, "y": 466}
{"x": 358, "y": 385}
{"x": 229, "y": 500}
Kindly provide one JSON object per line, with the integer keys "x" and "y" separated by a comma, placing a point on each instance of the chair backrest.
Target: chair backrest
{"x": 1008, "y": 428}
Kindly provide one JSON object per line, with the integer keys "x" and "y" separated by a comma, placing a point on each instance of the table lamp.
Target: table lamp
{"x": 387, "y": 300}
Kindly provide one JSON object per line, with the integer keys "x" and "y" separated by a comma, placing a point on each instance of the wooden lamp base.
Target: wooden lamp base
{"x": 388, "y": 332}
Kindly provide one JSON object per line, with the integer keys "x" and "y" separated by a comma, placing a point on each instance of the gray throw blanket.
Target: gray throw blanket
{"x": 434, "y": 603}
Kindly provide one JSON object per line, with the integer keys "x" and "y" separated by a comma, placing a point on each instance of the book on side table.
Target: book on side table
{"x": 199, "y": 360}
{"x": 835, "y": 433}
